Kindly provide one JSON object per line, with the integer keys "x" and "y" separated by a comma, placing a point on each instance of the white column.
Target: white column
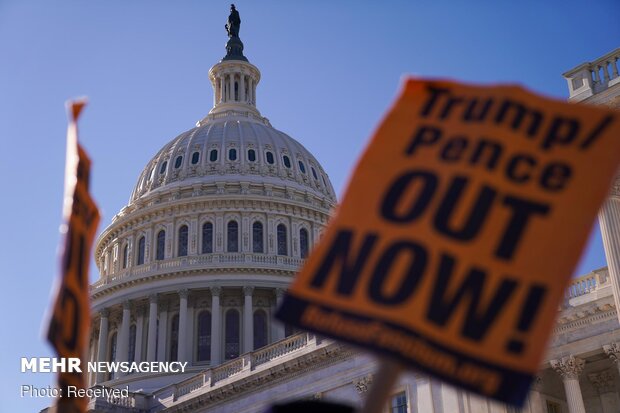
{"x": 278, "y": 327}
{"x": 102, "y": 345}
{"x": 248, "y": 320}
{"x": 569, "y": 368}
{"x": 139, "y": 333}
{"x": 122, "y": 350}
{"x": 604, "y": 383}
{"x": 609, "y": 221}
{"x": 215, "y": 90}
{"x": 182, "y": 345}
{"x": 151, "y": 342}
{"x": 424, "y": 395}
{"x": 534, "y": 399}
{"x": 449, "y": 398}
{"x": 216, "y": 329}
{"x": 250, "y": 90}
{"x": 163, "y": 332}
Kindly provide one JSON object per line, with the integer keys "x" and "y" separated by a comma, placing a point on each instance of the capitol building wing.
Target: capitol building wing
{"x": 219, "y": 221}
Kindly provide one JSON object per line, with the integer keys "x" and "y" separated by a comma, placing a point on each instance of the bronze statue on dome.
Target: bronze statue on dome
{"x": 234, "y": 22}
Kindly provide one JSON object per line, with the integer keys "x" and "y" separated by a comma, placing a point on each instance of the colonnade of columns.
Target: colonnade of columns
{"x": 570, "y": 369}
{"x": 158, "y": 328}
{"x": 225, "y": 88}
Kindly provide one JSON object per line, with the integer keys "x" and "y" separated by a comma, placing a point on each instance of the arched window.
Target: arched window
{"x": 251, "y": 155}
{"x": 161, "y": 245}
{"x": 232, "y": 233}
{"x": 232, "y": 154}
{"x": 231, "y": 345}
{"x": 203, "y": 335}
{"x": 178, "y": 161}
{"x": 132, "y": 343}
{"x": 314, "y": 173}
{"x": 163, "y": 167}
{"x": 195, "y": 158}
{"x": 287, "y": 161}
{"x": 302, "y": 167}
{"x": 269, "y": 157}
{"x": 282, "y": 242}
{"x": 207, "y": 238}
{"x": 213, "y": 155}
{"x": 125, "y": 257}
{"x": 257, "y": 237}
{"x": 140, "y": 257}
{"x": 303, "y": 242}
{"x": 182, "y": 247}
{"x": 260, "y": 329}
{"x": 174, "y": 338}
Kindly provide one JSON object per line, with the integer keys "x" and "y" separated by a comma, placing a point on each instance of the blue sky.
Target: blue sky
{"x": 330, "y": 70}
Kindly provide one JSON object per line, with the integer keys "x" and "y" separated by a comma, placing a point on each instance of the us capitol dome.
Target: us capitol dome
{"x": 219, "y": 221}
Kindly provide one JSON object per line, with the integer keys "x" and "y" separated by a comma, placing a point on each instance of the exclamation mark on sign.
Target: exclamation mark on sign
{"x": 528, "y": 314}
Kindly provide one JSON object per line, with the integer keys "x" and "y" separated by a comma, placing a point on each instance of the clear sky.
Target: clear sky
{"x": 329, "y": 71}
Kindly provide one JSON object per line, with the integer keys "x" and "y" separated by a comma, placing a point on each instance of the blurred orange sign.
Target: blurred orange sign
{"x": 459, "y": 231}
{"x": 69, "y": 326}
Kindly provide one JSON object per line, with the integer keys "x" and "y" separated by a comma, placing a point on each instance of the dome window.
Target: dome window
{"x": 232, "y": 154}
{"x": 125, "y": 257}
{"x": 302, "y": 167}
{"x": 232, "y": 334}
{"x": 233, "y": 237}
{"x": 213, "y": 155}
{"x": 257, "y": 237}
{"x": 269, "y": 157}
{"x": 203, "y": 345}
{"x": 163, "y": 167}
{"x": 287, "y": 161}
{"x": 178, "y": 161}
{"x": 207, "y": 238}
{"x": 303, "y": 243}
{"x": 183, "y": 238}
{"x": 140, "y": 257}
{"x": 252, "y": 155}
{"x": 161, "y": 245}
{"x": 314, "y": 173}
{"x": 195, "y": 158}
{"x": 282, "y": 240}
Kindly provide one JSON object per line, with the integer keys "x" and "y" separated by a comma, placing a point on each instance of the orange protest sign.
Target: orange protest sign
{"x": 70, "y": 318}
{"x": 459, "y": 231}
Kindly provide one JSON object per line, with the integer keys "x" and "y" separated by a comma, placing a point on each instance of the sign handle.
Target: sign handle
{"x": 381, "y": 387}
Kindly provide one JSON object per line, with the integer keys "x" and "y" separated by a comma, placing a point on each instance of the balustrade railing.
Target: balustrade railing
{"x": 245, "y": 363}
{"x": 190, "y": 385}
{"x": 588, "y": 283}
{"x": 216, "y": 260}
{"x": 226, "y": 370}
{"x": 283, "y": 347}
